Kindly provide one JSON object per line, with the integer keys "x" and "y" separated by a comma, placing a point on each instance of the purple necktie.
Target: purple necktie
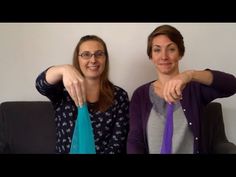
{"x": 166, "y": 147}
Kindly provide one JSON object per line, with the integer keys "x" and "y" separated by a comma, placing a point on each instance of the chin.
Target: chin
{"x": 165, "y": 71}
{"x": 93, "y": 77}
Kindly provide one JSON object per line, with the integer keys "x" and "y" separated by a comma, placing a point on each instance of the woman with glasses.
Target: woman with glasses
{"x": 86, "y": 80}
{"x": 165, "y": 114}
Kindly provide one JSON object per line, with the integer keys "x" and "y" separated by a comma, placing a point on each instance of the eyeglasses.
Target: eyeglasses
{"x": 88, "y": 55}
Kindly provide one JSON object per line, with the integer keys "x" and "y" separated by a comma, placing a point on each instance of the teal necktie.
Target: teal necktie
{"x": 83, "y": 137}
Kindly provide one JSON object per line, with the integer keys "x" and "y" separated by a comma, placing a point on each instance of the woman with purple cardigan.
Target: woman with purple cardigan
{"x": 187, "y": 92}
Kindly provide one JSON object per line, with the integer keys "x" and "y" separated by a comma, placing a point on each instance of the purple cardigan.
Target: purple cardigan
{"x": 195, "y": 97}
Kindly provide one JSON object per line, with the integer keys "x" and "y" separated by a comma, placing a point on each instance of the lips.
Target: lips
{"x": 164, "y": 63}
{"x": 93, "y": 68}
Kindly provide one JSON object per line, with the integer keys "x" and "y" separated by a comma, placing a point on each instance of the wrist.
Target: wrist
{"x": 62, "y": 69}
{"x": 190, "y": 74}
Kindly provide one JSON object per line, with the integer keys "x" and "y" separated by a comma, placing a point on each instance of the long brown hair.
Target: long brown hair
{"x": 172, "y": 33}
{"x": 106, "y": 93}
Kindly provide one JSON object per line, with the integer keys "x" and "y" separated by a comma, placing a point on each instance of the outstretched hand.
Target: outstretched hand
{"x": 172, "y": 90}
{"x": 74, "y": 84}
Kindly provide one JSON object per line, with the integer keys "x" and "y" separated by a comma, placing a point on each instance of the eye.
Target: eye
{"x": 156, "y": 50}
{"x": 172, "y": 49}
{"x": 99, "y": 54}
{"x": 86, "y": 54}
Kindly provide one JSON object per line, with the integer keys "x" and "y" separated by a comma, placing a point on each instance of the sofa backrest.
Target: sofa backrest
{"x": 27, "y": 127}
{"x": 213, "y": 130}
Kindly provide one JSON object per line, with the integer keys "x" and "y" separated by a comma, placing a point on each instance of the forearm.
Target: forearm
{"x": 224, "y": 82}
{"x": 203, "y": 77}
{"x": 54, "y": 74}
{"x": 173, "y": 88}
{"x": 46, "y": 89}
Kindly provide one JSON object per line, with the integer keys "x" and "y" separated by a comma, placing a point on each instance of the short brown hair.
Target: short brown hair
{"x": 172, "y": 33}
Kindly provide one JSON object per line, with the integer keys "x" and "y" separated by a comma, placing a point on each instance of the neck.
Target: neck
{"x": 163, "y": 78}
{"x": 92, "y": 90}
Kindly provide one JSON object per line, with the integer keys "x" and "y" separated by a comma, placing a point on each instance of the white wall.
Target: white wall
{"x": 27, "y": 49}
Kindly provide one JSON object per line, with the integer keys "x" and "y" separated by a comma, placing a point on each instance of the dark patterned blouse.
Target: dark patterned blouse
{"x": 110, "y": 127}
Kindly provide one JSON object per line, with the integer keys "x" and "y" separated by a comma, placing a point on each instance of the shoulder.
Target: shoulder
{"x": 120, "y": 91}
{"x": 140, "y": 98}
{"x": 120, "y": 97}
{"x": 141, "y": 94}
{"x": 143, "y": 88}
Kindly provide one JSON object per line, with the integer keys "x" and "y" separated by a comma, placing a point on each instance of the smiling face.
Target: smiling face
{"x": 165, "y": 55}
{"x": 92, "y": 67}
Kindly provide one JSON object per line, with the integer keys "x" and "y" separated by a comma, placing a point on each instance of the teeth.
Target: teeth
{"x": 93, "y": 67}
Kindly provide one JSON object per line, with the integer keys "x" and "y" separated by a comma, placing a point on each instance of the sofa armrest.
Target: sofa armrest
{"x": 213, "y": 130}
{"x": 3, "y": 141}
{"x": 225, "y": 148}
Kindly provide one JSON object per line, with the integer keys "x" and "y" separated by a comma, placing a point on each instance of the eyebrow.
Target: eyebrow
{"x": 94, "y": 51}
{"x": 167, "y": 45}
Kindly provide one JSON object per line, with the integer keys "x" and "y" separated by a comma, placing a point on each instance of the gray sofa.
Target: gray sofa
{"x": 29, "y": 128}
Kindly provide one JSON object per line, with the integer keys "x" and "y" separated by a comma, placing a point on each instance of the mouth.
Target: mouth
{"x": 93, "y": 68}
{"x": 164, "y": 64}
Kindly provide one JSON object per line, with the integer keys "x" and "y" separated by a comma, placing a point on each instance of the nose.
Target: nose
{"x": 92, "y": 59}
{"x": 164, "y": 55}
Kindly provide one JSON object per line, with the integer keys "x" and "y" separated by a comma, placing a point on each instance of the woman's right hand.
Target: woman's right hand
{"x": 174, "y": 87}
{"x": 74, "y": 84}
{"x": 72, "y": 80}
